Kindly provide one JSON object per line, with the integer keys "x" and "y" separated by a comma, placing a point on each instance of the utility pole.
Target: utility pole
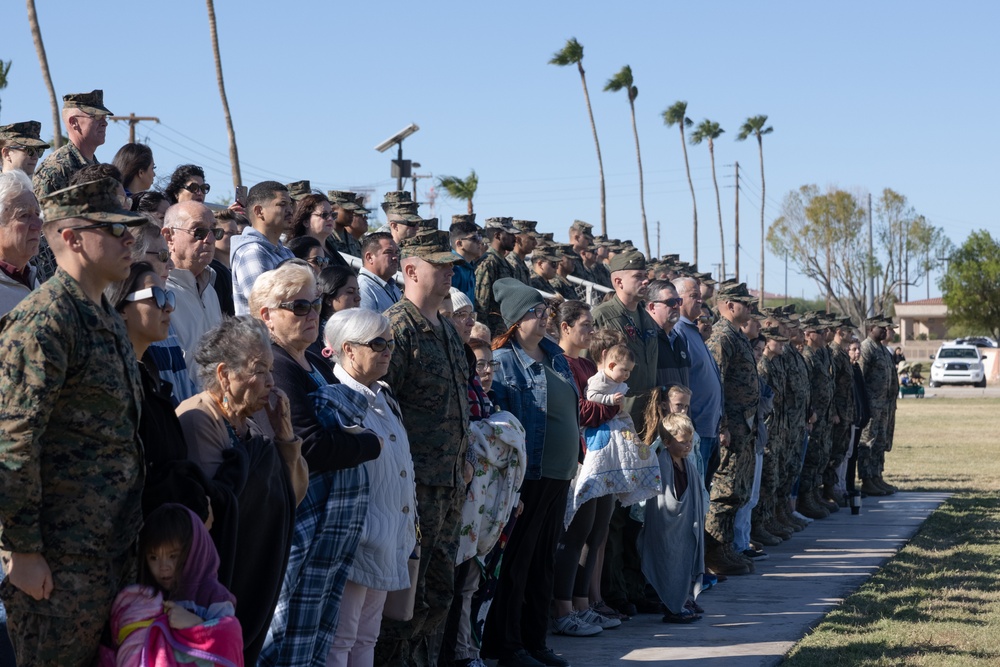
{"x": 871, "y": 262}
{"x": 737, "y": 241}
{"x": 786, "y": 278}
{"x": 132, "y": 121}
{"x": 658, "y": 239}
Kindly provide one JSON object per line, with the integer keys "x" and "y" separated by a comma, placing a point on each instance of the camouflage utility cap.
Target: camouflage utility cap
{"x": 428, "y": 225}
{"x": 25, "y": 134}
{"x": 705, "y": 278}
{"x": 395, "y": 197}
{"x": 738, "y": 293}
{"x": 581, "y": 226}
{"x": 343, "y": 199}
{"x": 463, "y": 217}
{"x": 547, "y": 236}
{"x": 94, "y": 200}
{"x": 501, "y": 223}
{"x": 812, "y": 323}
{"x": 526, "y": 227}
{"x": 92, "y": 102}
{"x": 298, "y": 189}
{"x": 430, "y": 246}
{"x": 566, "y": 251}
{"x": 773, "y": 333}
{"x": 627, "y": 261}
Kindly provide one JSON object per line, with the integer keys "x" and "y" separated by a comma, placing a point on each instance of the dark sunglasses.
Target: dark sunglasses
{"x": 301, "y": 307}
{"x": 705, "y": 319}
{"x": 161, "y": 255}
{"x": 201, "y": 233}
{"x": 194, "y": 188}
{"x": 378, "y": 344}
{"x": 319, "y": 261}
{"x": 29, "y": 151}
{"x": 164, "y": 298}
{"x": 116, "y": 229}
{"x": 670, "y": 303}
{"x": 491, "y": 366}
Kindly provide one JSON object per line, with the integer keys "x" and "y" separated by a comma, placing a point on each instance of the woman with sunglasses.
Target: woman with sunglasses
{"x": 310, "y": 251}
{"x": 314, "y": 218}
{"x": 171, "y": 477}
{"x": 328, "y": 523}
{"x": 360, "y": 341}
{"x": 534, "y": 383}
{"x": 187, "y": 183}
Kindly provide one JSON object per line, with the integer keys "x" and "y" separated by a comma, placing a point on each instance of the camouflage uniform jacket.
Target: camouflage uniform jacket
{"x": 518, "y": 267}
{"x": 893, "y": 375}
{"x": 876, "y": 367}
{"x": 641, "y": 338}
{"x": 55, "y": 171}
{"x": 595, "y": 274}
{"x": 772, "y": 372}
{"x": 429, "y": 373}
{"x": 491, "y": 268}
{"x": 797, "y": 403}
{"x": 843, "y": 392}
{"x": 71, "y": 464}
{"x": 564, "y": 288}
{"x": 350, "y": 246}
{"x": 740, "y": 387}
{"x": 820, "y": 380}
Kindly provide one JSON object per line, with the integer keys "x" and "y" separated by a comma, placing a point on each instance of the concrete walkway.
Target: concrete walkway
{"x": 754, "y": 620}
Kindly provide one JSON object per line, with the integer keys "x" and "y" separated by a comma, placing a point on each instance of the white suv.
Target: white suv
{"x": 958, "y": 364}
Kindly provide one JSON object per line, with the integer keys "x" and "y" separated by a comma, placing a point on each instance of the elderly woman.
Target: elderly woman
{"x": 361, "y": 344}
{"x": 534, "y": 382}
{"x": 328, "y": 523}
{"x": 258, "y": 480}
{"x": 20, "y": 234}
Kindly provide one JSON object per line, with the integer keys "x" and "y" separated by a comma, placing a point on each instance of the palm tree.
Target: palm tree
{"x": 234, "y": 156}
{"x": 572, "y": 54}
{"x": 459, "y": 188}
{"x": 709, "y": 131}
{"x": 676, "y": 115}
{"x": 755, "y": 125}
{"x": 4, "y": 71}
{"x": 36, "y": 36}
{"x": 623, "y": 81}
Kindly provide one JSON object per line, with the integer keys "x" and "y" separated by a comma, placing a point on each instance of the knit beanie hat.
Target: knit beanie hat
{"x": 515, "y": 298}
{"x": 460, "y": 299}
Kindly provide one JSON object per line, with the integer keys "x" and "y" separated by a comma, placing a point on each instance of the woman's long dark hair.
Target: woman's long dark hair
{"x": 331, "y": 280}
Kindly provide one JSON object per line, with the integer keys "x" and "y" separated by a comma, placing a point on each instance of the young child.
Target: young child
{"x": 179, "y": 612}
{"x": 671, "y": 542}
{"x": 607, "y": 386}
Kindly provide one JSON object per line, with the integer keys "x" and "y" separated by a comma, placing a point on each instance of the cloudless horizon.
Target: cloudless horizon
{"x": 862, "y": 96}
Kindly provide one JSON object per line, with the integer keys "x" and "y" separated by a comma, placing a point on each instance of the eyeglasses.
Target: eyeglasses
{"x": 487, "y": 366}
{"x": 116, "y": 229}
{"x": 324, "y": 215}
{"x": 93, "y": 116}
{"x": 404, "y": 222}
{"x": 161, "y": 255}
{"x": 705, "y": 319}
{"x": 194, "y": 188}
{"x": 473, "y": 239}
{"x": 30, "y": 152}
{"x": 201, "y": 233}
{"x": 378, "y": 344}
{"x": 321, "y": 261}
{"x": 301, "y": 307}
{"x": 469, "y": 315}
{"x": 126, "y": 202}
{"x": 164, "y": 298}
{"x": 539, "y": 311}
{"x": 670, "y": 303}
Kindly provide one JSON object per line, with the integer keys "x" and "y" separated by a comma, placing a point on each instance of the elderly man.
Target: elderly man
{"x": 71, "y": 471}
{"x": 429, "y": 374}
{"x": 673, "y": 361}
{"x": 732, "y": 482}
{"x": 259, "y": 248}
{"x": 525, "y": 241}
{"x": 401, "y": 214}
{"x": 376, "y": 280}
{"x": 466, "y": 242}
{"x": 344, "y": 206}
{"x": 20, "y": 232}
{"x": 190, "y": 231}
{"x": 493, "y": 266}
{"x": 21, "y": 146}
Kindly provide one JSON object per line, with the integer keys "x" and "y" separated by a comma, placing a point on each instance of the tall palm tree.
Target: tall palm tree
{"x": 234, "y": 156}
{"x": 36, "y": 36}
{"x": 572, "y": 54}
{"x": 623, "y": 81}
{"x": 461, "y": 188}
{"x": 709, "y": 131}
{"x": 676, "y": 115}
{"x": 755, "y": 125}
{"x": 4, "y": 71}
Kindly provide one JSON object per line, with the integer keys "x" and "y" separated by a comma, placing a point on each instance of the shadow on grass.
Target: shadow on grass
{"x": 948, "y": 573}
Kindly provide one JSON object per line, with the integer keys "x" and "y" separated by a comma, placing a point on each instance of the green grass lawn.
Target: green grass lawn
{"x": 938, "y": 601}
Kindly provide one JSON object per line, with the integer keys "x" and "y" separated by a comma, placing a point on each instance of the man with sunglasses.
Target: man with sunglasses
{"x": 21, "y": 146}
{"x": 401, "y": 215}
{"x": 71, "y": 471}
{"x": 191, "y": 233}
{"x": 466, "y": 241}
{"x": 673, "y": 363}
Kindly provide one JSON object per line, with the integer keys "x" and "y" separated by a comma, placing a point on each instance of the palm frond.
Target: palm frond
{"x": 622, "y": 80}
{"x": 571, "y": 54}
{"x": 676, "y": 114}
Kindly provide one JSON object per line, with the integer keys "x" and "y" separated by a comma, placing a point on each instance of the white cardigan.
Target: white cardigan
{"x": 389, "y": 534}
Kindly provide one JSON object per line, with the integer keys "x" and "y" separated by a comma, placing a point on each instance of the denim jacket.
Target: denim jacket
{"x": 519, "y": 386}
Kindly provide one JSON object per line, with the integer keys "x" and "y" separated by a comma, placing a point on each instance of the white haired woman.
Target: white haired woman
{"x": 360, "y": 341}
{"x": 329, "y": 520}
{"x": 20, "y": 234}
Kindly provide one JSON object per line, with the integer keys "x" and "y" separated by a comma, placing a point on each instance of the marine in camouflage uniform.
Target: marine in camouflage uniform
{"x": 429, "y": 374}
{"x": 298, "y": 190}
{"x": 71, "y": 464}
{"x": 890, "y": 428}
{"x": 345, "y": 206}
{"x": 877, "y": 370}
{"x": 491, "y": 268}
{"x": 798, "y": 407}
{"x": 526, "y": 241}
{"x": 843, "y": 405}
{"x": 771, "y": 369}
{"x": 733, "y": 480}
{"x": 817, "y": 358}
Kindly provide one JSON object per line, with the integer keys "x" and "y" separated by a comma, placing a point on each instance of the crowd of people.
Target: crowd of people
{"x": 267, "y": 435}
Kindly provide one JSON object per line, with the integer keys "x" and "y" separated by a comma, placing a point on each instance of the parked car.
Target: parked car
{"x": 978, "y": 341}
{"x": 958, "y": 364}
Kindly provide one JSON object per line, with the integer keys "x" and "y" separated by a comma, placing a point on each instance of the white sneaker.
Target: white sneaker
{"x": 603, "y": 622}
{"x": 801, "y": 517}
{"x": 572, "y": 625}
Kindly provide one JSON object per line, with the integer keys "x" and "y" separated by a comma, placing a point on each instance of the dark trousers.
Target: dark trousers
{"x": 576, "y": 555}
{"x": 518, "y": 617}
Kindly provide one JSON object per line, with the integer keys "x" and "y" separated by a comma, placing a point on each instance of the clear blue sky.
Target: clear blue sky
{"x": 861, "y": 95}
